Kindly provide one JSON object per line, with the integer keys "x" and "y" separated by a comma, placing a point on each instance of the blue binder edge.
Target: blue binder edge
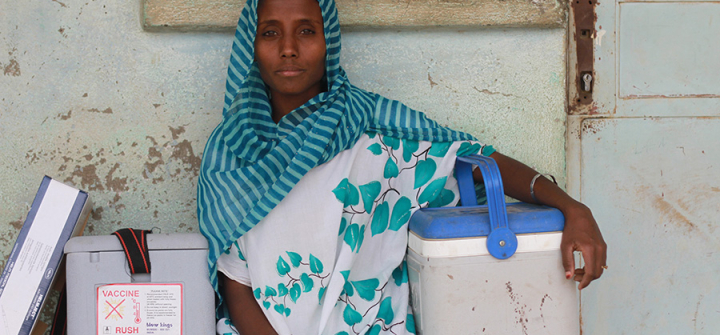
{"x": 55, "y": 259}
{"x": 20, "y": 241}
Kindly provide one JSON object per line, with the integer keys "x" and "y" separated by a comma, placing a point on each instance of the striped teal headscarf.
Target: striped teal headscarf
{"x": 249, "y": 166}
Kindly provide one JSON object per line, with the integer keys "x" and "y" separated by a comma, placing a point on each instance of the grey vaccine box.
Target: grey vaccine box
{"x": 104, "y": 298}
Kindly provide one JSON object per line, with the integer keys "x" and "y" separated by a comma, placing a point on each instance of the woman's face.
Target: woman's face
{"x": 290, "y": 48}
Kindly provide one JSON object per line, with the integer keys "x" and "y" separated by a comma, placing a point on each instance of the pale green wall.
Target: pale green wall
{"x": 89, "y": 98}
{"x": 505, "y": 86}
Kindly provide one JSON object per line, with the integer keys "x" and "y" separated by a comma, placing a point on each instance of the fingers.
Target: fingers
{"x": 592, "y": 269}
{"x": 568, "y": 260}
{"x": 595, "y": 258}
{"x": 603, "y": 256}
{"x": 578, "y": 276}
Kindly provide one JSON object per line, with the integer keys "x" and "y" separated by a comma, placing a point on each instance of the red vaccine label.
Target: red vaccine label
{"x": 153, "y": 309}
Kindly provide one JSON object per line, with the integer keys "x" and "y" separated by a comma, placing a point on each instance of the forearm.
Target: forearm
{"x": 245, "y": 312}
{"x": 581, "y": 232}
{"x": 517, "y": 178}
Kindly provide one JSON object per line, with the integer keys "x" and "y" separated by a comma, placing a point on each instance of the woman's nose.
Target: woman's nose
{"x": 288, "y": 46}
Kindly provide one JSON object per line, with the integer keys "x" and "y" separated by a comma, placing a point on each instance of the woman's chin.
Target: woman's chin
{"x": 296, "y": 92}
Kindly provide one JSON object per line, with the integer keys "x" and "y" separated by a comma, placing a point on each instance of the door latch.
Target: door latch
{"x": 583, "y": 13}
{"x": 587, "y": 79}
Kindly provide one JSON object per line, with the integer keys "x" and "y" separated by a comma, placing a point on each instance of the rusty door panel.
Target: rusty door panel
{"x": 654, "y": 186}
{"x": 647, "y": 162}
{"x": 691, "y": 106}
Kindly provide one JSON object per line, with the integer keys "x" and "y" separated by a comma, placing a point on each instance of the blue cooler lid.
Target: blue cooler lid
{"x": 500, "y": 223}
{"x": 474, "y": 221}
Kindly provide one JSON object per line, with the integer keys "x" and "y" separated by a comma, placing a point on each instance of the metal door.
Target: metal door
{"x": 644, "y": 154}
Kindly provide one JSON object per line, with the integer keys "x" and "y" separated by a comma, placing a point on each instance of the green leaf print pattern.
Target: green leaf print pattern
{"x": 409, "y": 148}
{"x": 376, "y": 149}
{"x": 295, "y": 258}
{"x": 282, "y": 290}
{"x": 385, "y": 214}
{"x": 380, "y": 218}
{"x": 391, "y": 169}
{"x": 352, "y": 236}
{"x": 343, "y": 224}
{"x": 306, "y": 282}
{"x": 444, "y": 198}
{"x": 400, "y": 213}
{"x": 240, "y": 254}
{"x": 282, "y": 266}
{"x": 391, "y": 142}
{"x": 321, "y": 293}
{"x": 432, "y": 191}
{"x": 424, "y": 172}
{"x": 361, "y": 238}
{"x": 466, "y": 148}
{"x": 400, "y": 274}
{"x": 303, "y": 278}
{"x": 316, "y": 265}
{"x": 295, "y": 292}
{"x": 347, "y": 193}
{"x": 366, "y": 288}
{"x": 439, "y": 149}
{"x": 369, "y": 192}
{"x": 410, "y": 324}
{"x": 348, "y": 288}
{"x": 351, "y": 316}
{"x": 280, "y": 308}
{"x": 386, "y": 312}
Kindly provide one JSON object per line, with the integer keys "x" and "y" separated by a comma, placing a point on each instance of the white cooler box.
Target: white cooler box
{"x": 175, "y": 298}
{"x": 492, "y": 269}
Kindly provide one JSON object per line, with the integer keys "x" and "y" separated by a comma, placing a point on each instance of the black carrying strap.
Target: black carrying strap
{"x": 134, "y": 242}
{"x": 59, "y": 325}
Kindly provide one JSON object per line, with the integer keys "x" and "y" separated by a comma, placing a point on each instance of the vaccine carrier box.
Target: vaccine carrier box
{"x": 494, "y": 269}
{"x": 105, "y": 298}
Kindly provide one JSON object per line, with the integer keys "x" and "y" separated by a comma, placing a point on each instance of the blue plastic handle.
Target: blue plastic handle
{"x": 501, "y": 242}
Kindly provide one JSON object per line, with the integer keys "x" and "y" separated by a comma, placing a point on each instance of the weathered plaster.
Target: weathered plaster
{"x": 89, "y": 98}
{"x": 222, "y": 15}
{"x": 505, "y": 86}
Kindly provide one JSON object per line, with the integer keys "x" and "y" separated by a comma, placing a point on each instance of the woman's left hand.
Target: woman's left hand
{"x": 582, "y": 234}
{"x": 581, "y": 231}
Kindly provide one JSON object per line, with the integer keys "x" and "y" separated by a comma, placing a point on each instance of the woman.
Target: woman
{"x": 308, "y": 184}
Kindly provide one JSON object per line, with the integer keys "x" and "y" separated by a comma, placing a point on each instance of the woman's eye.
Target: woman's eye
{"x": 269, "y": 33}
{"x": 307, "y": 31}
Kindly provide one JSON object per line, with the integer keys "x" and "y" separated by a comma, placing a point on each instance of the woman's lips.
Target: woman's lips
{"x": 290, "y": 71}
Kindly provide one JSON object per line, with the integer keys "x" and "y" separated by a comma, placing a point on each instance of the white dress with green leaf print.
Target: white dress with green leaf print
{"x": 329, "y": 259}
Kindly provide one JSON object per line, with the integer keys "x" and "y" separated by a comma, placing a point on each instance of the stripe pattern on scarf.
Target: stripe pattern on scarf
{"x": 249, "y": 166}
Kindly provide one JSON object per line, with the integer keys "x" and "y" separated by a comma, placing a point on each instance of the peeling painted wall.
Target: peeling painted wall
{"x": 221, "y": 15}
{"x": 89, "y": 98}
{"x": 505, "y": 86}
